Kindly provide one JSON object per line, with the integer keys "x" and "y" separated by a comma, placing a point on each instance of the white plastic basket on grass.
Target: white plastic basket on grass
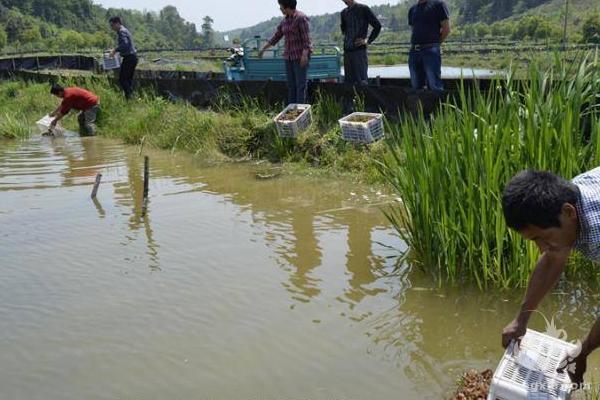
{"x": 109, "y": 62}
{"x": 293, "y": 128}
{"x": 362, "y": 132}
{"x": 530, "y": 372}
{"x": 44, "y": 126}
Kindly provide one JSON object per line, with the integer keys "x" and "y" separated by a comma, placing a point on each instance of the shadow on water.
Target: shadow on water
{"x": 131, "y": 194}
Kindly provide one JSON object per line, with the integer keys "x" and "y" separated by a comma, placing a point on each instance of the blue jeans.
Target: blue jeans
{"x": 425, "y": 67}
{"x": 297, "y": 81}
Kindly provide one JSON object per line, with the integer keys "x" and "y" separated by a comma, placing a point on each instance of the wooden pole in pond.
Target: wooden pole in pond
{"x": 146, "y": 184}
{"x": 96, "y": 185}
{"x": 146, "y": 176}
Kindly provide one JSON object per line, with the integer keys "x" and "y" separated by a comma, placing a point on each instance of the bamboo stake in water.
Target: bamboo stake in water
{"x": 146, "y": 175}
{"x": 96, "y": 185}
{"x": 146, "y": 182}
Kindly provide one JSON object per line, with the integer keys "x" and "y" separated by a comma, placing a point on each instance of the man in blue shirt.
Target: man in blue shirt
{"x": 559, "y": 216}
{"x": 430, "y": 23}
{"x": 356, "y": 19}
{"x": 126, "y": 49}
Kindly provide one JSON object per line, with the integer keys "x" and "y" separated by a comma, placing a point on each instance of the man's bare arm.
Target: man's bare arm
{"x": 545, "y": 275}
{"x": 57, "y": 118}
{"x": 445, "y": 30}
{"x": 55, "y": 112}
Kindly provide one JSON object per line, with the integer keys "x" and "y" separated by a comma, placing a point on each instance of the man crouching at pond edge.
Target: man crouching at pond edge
{"x": 558, "y": 216}
{"x": 79, "y": 99}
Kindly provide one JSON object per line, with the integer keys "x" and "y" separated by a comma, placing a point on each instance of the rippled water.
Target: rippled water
{"x": 229, "y": 287}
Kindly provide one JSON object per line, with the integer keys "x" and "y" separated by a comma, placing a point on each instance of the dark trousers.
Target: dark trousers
{"x": 425, "y": 67}
{"x": 297, "y": 81}
{"x": 87, "y": 121}
{"x": 126, "y": 74}
{"x": 356, "y": 66}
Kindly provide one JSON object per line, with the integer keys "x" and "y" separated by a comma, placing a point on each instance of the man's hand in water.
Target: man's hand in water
{"x": 513, "y": 331}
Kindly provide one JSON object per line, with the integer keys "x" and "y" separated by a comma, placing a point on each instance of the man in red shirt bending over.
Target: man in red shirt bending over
{"x": 79, "y": 99}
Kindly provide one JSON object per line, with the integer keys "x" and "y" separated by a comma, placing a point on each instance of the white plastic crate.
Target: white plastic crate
{"x": 530, "y": 372}
{"x": 362, "y": 132}
{"x": 109, "y": 62}
{"x": 44, "y": 126}
{"x": 298, "y": 125}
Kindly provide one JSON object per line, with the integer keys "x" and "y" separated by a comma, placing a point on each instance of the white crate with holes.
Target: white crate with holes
{"x": 293, "y": 120}
{"x": 529, "y": 372}
{"x": 109, "y": 62}
{"x": 360, "y": 127}
{"x": 44, "y": 126}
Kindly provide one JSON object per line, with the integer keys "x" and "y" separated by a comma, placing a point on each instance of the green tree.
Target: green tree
{"x": 469, "y": 31}
{"x": 207, "y": 32}
{"x": 500, "y": 29}
{"x": 546, "y": 30}
{"x": 482, "y": 30}
{"x": 3, "y": 37}
{"x": 30, "y": 36}
{"x": 174, "y": 27}
{"x": 13, "y": 24}
{"x": 70, "y": 40}
{"x": 590, "y": 30}
{"x": 102, "y": 40}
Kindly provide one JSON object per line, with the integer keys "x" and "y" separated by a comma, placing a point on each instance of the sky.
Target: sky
{"x": 232, "y": 14}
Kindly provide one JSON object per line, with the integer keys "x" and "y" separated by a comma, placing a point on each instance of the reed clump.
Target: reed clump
{"x": 450, "y": 171}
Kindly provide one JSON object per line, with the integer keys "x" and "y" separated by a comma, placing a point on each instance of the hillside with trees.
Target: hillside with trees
{"x": 67, "y": 25}
{"x": 76, "y": 24}
{"x": 472, "y": 19}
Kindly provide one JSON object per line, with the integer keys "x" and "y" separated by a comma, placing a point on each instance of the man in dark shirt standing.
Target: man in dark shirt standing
{"x": 356, "y": 19}
{"x": 430, "y": 23}
{"x": 126, "y": 49}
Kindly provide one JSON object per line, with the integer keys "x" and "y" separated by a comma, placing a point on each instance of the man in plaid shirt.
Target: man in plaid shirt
{"x": 559, "y": 216}
{"x": 295, "y": 28}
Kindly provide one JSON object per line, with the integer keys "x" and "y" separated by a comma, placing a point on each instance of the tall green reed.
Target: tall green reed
{"x": 450, "y": 171}
{"x": 14, "y": 126}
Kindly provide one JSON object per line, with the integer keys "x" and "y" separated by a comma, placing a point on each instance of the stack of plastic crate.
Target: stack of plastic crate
{"x": 529, "y": 371}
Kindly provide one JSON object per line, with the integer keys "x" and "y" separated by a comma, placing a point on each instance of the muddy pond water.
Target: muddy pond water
{"x": 229, "y": 287}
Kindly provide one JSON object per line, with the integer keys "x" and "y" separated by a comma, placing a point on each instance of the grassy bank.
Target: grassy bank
{"x": 450, "y": 172}
{"x": 229, "y": 131}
